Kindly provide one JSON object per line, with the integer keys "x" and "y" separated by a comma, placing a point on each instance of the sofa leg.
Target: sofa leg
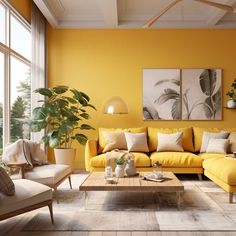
{"x": 199, "y": 177}
{"x": 231, "y": 195}
{"x": 51, "y": 212}
{"x": 70, "y": 182}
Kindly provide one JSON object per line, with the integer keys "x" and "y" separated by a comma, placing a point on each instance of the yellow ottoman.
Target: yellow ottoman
{"x": 222, "y": 171}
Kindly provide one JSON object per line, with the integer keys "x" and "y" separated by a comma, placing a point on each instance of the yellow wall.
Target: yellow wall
{"x": 23, "y": 7}
{"x": 104, "y": 63}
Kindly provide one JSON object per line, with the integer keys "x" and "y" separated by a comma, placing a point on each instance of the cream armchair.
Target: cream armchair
{"x": 28, "y": 196}
{"x": 30, "y": 159}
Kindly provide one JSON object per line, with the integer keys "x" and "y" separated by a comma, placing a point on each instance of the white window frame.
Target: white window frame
{"x": 8, "y": 52}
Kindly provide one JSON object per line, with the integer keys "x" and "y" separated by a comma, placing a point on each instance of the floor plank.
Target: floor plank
{"x": 109, "y": 233}
{"x": 97, "y": 233}
{"x": 81, "y": 233}
{"x": 123, "y": 233}
{"x": 153, "y": 233}
{"x": 139, "y": 233}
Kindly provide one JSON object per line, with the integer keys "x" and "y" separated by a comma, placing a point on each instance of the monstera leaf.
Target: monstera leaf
{"x": 208, "y": 81}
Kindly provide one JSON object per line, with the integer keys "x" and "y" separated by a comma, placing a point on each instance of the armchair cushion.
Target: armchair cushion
{"x": 48, "y": 174}
{"x": 27, "y": 194}
{"x": 6, "y": 184}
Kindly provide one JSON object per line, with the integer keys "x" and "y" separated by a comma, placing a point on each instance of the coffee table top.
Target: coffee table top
{"x": 96, "y": 182}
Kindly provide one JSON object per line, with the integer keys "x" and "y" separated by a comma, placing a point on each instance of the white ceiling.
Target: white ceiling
{"x": 134, "y": 13}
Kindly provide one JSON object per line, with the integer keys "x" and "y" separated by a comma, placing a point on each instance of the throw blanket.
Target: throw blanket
{"x": 116, "y": 154}
{"x": 24, "y": 151}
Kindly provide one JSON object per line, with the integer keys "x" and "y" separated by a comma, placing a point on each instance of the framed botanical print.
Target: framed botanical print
{"x": 201, "y": 94}
{"x": 161, "y": 94}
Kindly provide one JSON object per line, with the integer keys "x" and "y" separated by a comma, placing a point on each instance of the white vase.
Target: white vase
{"x": 65, "y": 156}
{"x": 130, "y": 169}
{"x": 231, "y": 104}
{"x": 119, "y": 171}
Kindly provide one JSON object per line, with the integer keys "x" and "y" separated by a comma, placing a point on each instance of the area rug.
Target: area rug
{"x": 204, "y": 206}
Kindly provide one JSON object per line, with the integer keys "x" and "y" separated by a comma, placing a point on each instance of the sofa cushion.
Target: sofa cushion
{"x": 141, "y": 160}
{"x": 198, "y": 134}
{"x": 27, "y": 193}
{"x": 114, "y": 140}
{"x": 6, "y": 184}
{"x": 48, "y": 174}
{"x": 176, "y": 159}
{"x": 232, "y": 142}
{"x": 208, "y": 135}
{"x": 102, "y": 141}
{"x": 170, "y": 142}
{"x": 136, "y": 142}
{"x": 206, "y": 156}
{"x": 217, "y": 145}
{"x": 187, "y": 140}
{"x": 222, "y": 168}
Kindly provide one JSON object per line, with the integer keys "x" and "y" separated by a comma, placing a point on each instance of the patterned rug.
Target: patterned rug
{"x": 204, "y": 207}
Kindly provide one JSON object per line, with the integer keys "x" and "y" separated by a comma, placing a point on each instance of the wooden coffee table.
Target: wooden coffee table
{"x": 96, "y": 182}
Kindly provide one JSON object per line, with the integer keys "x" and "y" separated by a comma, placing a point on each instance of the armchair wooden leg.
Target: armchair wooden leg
{"x": 231, "y": 196}
{"x": 51, "y": 212}
{"x": 200, "y": 177}
{"x": 70, "y": 182}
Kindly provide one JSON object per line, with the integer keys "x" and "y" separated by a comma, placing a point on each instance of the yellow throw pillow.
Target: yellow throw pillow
{"x": 136, "y": 142}
{"x": 102, "y": 141}
{"x": 114, "y": 140}
{"x": 187, "y": 141}
{"x": 170, "y": 142}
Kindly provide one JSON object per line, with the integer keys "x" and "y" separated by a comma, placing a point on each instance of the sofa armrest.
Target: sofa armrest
{"x": 90, "y": 151}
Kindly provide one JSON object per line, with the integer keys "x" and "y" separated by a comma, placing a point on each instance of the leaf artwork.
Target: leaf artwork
{"x": 209, "y": 101}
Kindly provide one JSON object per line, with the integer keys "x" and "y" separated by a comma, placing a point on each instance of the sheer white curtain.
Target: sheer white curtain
{"x": 38, "y": 66}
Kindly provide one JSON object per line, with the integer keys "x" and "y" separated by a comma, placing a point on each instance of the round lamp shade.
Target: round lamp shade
{"x": 115, "y": 105}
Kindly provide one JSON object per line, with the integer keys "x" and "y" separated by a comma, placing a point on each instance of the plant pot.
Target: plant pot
{"x": 65, "y": 156}
{"x": 120, "y": 171}
{"x": 231, "y": 104}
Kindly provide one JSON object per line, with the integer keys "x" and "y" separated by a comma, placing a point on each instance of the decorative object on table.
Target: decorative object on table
{"x": 161, "y": 94}
{"x": 61, "y": 115}
{"x": 130, "y": 169}
{"x": 108, "y": 172}
{"x": 158, "y": 172}
{"x": 115, "y": 105}
{"x": 231, "y": 103}
{"x": 234, "y": 154}
{"x": 201, "y": 94}
{"x": 120, "y": 167}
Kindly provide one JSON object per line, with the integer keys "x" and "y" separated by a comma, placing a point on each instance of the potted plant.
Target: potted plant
{"x": 231, "y": 103}
{"x": 61, "y": 115}
{"x": 119, "y": 170}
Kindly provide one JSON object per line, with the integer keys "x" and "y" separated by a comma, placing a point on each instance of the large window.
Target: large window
{"x": 15, "y": 78}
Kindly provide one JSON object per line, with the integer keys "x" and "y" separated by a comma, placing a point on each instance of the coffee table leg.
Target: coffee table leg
{"x": 178, "y": 196}
{"x": 85, "y": 198}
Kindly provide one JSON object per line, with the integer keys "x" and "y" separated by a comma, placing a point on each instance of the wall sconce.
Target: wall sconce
{"x": 115, "y": 105}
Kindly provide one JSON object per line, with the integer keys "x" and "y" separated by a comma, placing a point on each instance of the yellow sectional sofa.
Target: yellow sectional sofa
{"x": 217, "y": 167}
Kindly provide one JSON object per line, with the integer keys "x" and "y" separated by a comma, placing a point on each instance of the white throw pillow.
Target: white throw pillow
{"x": 208, "y": 135}
{"x": 170, "y": 142}
{"x": 136, "y": 142}
{"x": 114, "y": 140}
{"x": 217, "y": 145}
